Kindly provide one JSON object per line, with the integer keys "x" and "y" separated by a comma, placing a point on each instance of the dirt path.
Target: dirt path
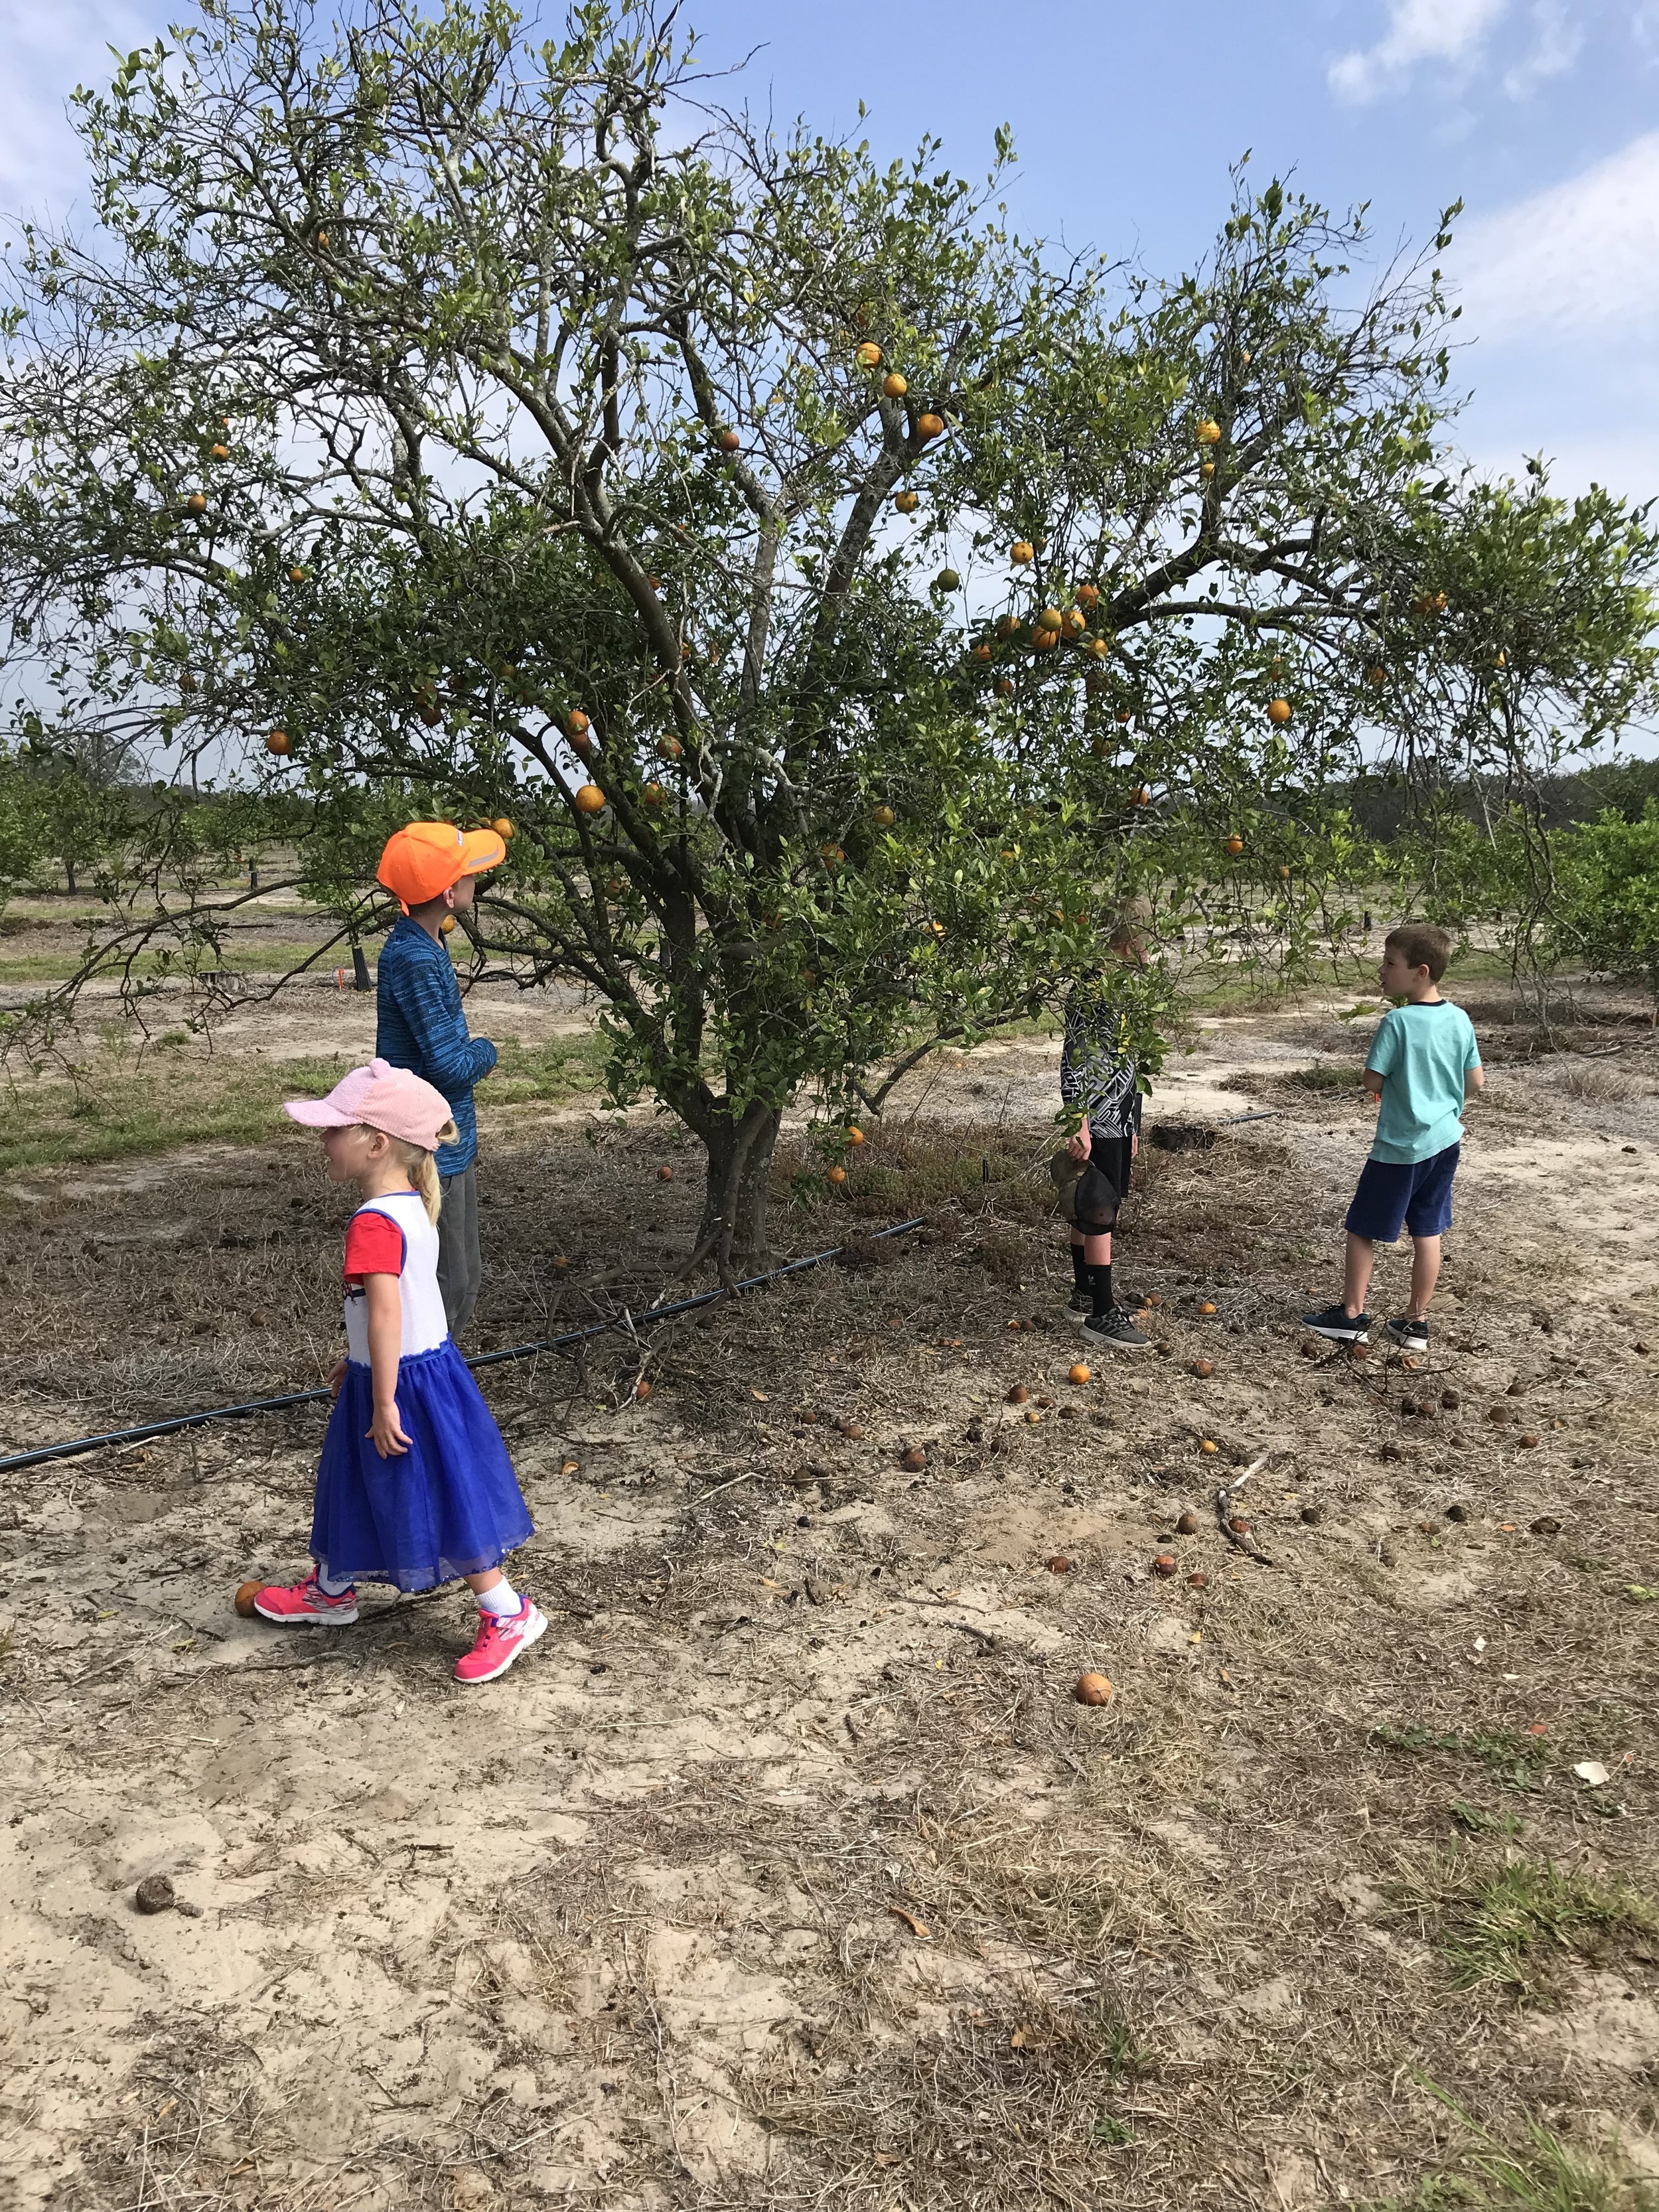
{"x": 786, "y": 1870}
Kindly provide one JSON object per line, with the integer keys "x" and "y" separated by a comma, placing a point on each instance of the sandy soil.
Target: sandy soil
{"x": 786, "y": 1869}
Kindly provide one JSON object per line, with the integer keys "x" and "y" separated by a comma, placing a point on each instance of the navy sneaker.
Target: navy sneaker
{"x": 1340, "y": 1325}
{"x": 1410, "y": 1335}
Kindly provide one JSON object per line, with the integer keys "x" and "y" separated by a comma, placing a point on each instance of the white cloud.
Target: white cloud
{"x": 1579, "y": 260}
{"x": 1445, "y": 31}
{"x": 1561, "y": 34}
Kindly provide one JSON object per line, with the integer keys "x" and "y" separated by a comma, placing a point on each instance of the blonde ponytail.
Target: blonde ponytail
{"x": 422, "y": 1169}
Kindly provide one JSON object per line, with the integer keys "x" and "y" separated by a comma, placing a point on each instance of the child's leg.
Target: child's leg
{"x": 494, "y": 1592}
{"x": 1079, "y": 1261}
{"x": 1097, "y": 1257}
{"x": 1357, "y": 1274}
{"x": 1425, "y": 1273}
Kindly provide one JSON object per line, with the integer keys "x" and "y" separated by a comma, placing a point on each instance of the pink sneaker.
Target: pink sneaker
{"x": 307, "y": 1601}
{"x": 501, "y": 1637}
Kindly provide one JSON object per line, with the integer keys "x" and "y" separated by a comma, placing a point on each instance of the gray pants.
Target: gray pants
{"x": 461, "y": 1270}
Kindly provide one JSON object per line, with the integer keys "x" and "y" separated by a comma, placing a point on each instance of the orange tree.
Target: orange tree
{"x": 847, "y": 600}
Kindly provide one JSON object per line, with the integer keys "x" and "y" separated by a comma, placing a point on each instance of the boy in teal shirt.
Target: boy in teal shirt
{"x": 1423, "y": 1066}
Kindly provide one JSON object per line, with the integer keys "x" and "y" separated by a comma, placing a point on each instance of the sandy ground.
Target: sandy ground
{"x": 786, "y": 1870}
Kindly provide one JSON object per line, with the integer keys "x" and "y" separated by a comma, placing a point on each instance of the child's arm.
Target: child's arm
{"x": 1474, "y": 1078}
{"x": 385, "y": 1341}
{"x": 1373, "y": 1083}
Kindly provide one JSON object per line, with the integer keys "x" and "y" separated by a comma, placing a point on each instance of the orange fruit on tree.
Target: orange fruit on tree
{"x": 653, "y": 794}
{"x": 982, "y": 653}
{"x": 277, "y": 743}
{"x": 869, "y": 354}
{"x": 1284, "y": 875}
{"x": 447, "y": 924}
{"x": 1209, "y": 432}
{"x": 1207, "y": 468}
{"x": 883, "y": 816}
{"x": 590, "y": 799}
{"x": 1005, "y": 688}
{"x": 1045, "y": 641}
{"x": 1235, "y": 845}
{"x": 1140, "y": 798}
{"x": 1376, "y": 677}
{"x": 1021, "y": 551}
{"x": 1278, "y": 710}
{"x": 1088, "y": 595}
{"x": 730, "y": 441}
{"x": 1124, "y": 716}
{"x": 219, "y": 453}
{"x": 854, "y": 1134}
{"x": 1099, "y": 647}
{"x": 576, "y": 723}
{"x": 930, "y": 426}
{"x": 894, "y": 386}
{"x": 296, "y": 576}
{"x": 196, "y": 503}
{"x": 836, "y": 1176}
{"x": 906, "y": 502}
{"x": 830, "y": 855}
{"x": 503, "y": 828}
{"x": 947, "y": 581}
{"x": 670, "y": 749}
{"x": 1051, "y": 618}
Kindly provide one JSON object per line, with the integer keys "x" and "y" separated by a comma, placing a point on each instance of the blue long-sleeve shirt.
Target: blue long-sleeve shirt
{"x": 421, "y": 1026}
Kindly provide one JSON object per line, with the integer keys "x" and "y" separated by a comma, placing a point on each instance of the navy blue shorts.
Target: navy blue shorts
{"x": 1414, "y": 1194}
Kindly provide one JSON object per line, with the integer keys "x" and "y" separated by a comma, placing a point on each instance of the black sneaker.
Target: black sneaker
{"x": 1116, "y": 1329}
{"x": 1410, "y": 1335}
{"x": 1080, "y": 1302}
{"x": 1340, "y": 1325}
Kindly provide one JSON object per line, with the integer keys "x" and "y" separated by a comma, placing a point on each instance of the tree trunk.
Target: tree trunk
{"x": 69, "y": 870}
{"x": 732, "y": 1232}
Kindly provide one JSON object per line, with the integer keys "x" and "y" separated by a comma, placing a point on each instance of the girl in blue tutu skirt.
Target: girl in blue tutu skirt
{"x": 415, "y": 1487}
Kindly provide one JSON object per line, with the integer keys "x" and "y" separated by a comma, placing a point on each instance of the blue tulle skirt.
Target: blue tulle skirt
{"x": 449, "y": 1505}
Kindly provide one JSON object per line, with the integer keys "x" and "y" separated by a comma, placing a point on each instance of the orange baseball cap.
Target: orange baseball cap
{"x": 424, "y": 859}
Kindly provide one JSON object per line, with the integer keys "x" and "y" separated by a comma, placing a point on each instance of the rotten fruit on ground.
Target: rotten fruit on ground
{"x": 914, "y": 1460}
{"x": 1198, "y": 1580}
{"x": 1017, "y": 1394}
{"x": 1165, "y": 1563}
{"x": 1059, "y": 1565}
{"x": 1202, "y": 1367}
{"x": 1208, "y": 1306}
{"x": 664, "y": 1174}
{"x": 590, "y": 799}
{"x": 1205, "y": 1445}
{"x": 1092, "y": 1690}
{"x": 1077, "y": 1373}
{"x": 1187, "y": 1524}
{"x": 641, "y": 1389}
{"x": 245, "y": 1596}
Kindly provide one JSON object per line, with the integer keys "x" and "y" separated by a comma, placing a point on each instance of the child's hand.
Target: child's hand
{"x": 387, "y": 1432}
{"x": 337, "y": 1375}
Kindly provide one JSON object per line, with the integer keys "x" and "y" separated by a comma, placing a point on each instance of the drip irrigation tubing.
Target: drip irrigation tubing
{"x": 626, "y": 1323}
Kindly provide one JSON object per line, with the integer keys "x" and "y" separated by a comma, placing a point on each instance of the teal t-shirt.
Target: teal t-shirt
{"x": 1422, "y": 1053}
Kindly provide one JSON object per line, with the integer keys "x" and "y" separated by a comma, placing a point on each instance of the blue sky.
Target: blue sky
{"x": 1543, "y": 115}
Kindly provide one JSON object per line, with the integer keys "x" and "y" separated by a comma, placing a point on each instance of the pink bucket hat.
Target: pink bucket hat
{"x": 382, "y": 1096}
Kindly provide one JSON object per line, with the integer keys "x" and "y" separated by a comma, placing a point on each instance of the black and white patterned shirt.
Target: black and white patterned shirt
{"x": 1096, "y": 1074}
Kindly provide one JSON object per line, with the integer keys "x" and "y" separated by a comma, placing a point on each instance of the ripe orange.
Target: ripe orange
{"x": 277, "y": 743}
{"x": 1209, "y": 432}
{"x": 1284, "y": 875}
{"x": 730, "y": 441}
{"x": 1077, "y": 1373}
{"x": 220, "y": 453}
{"x": 1020, "y": 552}
{"x": 670, "y": 749}
{"x": 653, "y": 794}
{"x": 982, "y": 653}
{"x": 1206, "y": 470}
{"x": 641, "y": 1389}
{"x": 868, "y": 354}
{"x": 503, "y": 828}
{"x": 1124, "y": 715}
{"x": 930, "y": 426}
{"x": 576, "y": 723}
{"x": 590, "y": 799}
{"x": 1051, "y": 619}
{"x": 1005, "y": 688}
{"x": 1140, "y": 797}
{"x": 1376, "y": 677}
{"x": 1088, "y": 595}
{"x": 894, "y": 386}
{"x": 907, "y": 503}
{"x": 447, "y": 924}
{"x": 296, "y": 576}
{"x": 1278, "y": 710}
{"x": 1099, "y": 647}
{"x": 196, "y": 503}
{"x": 1235, "y": 845}
{"x": 831, "y": 854}
{"x": 836, "y": 1176}
{"x": 1092, "y": 1690}
{"x": 854, "y": 1134}
{"x": 1075, "y": 621}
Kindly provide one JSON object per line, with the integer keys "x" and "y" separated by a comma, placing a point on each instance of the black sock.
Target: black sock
{"x": 1100, "y": 1283}
{"x": 1080, "y": 1269}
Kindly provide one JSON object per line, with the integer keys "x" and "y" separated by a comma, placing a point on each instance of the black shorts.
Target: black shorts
{"x": 1103, "y": 1186}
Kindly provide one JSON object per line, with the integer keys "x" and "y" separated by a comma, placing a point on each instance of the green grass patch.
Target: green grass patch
{"x": 250, "y": 955}
{"x": 563, "y": 1067}
{"x": 1509, "y": 1921}
{"x": 1542, "y": 2174}
{"x": 1325, "y": 1075}
{"x": 1516, "y": 1760}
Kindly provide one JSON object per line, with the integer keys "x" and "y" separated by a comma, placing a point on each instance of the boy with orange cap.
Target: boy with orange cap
{"x": 429, "y": 867}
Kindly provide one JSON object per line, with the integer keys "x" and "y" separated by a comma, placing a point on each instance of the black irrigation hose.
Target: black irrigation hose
{"x": 630, "y": 1323}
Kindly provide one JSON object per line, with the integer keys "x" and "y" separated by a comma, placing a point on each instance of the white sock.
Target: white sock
{"x": 501, "y": 1598}
{"x": 331, "y": 1585}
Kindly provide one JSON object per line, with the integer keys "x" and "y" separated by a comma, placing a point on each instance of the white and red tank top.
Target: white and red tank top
{"x": 393, "y": 1236}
